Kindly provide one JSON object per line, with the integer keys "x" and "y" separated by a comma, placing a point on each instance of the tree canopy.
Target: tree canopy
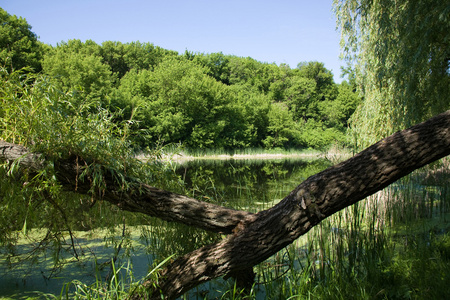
{"x": 19, "y": 46}
{"x": 400, "y": 53}
{"x": 200, "y": 100}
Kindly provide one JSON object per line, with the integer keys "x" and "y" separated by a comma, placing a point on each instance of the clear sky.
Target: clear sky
{"x": 281, "y": 31}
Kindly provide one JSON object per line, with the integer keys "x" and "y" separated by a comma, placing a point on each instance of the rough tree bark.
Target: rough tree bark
{"x": 258, "y": 236}
{"x": 139, "y": 197}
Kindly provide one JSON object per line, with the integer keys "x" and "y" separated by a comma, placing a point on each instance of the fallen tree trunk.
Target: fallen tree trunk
{"x": 255, "y": 238}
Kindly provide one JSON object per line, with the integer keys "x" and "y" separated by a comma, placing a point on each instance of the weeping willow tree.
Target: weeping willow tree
{"x": 400, "y": 52}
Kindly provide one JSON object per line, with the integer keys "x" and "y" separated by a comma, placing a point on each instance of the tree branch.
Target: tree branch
{"x": 139, "y": 197}
{"x": 318, "y": 197}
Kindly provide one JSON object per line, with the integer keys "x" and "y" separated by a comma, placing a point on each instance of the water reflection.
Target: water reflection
{"x": 246, "y": 184}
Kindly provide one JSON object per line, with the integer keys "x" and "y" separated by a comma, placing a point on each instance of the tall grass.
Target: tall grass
{"x": 393, "y": 245}
{"x": 120, "y": 284}
{"x": 214, "y": 153}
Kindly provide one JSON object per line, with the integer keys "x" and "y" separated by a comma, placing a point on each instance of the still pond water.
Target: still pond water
{"x": 242, "y": 184}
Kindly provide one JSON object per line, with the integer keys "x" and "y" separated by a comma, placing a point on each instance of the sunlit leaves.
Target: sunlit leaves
{"x": 76, "y": 66}
{"x": 402, "y": 61}
{"x": 34, "y": 113}
{"x": 281, "y": 127}
{"x": 19, "y": 46}
{"x": 201, "y": 100}
{"x": 178, "y": 101}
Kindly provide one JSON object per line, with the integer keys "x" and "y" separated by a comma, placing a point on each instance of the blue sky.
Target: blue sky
{"x": 282, "y": 31}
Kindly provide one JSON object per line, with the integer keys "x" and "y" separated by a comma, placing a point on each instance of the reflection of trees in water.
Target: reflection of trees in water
{"x": 243, "y": 183}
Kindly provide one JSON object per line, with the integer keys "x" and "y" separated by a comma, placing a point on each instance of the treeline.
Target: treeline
{"x": 201, "y": 100}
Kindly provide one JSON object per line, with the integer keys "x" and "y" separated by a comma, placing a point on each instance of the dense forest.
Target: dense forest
{"x": 200, "y": 100}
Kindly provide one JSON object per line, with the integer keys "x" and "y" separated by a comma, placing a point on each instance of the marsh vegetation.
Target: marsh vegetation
{"x": 391, "y": 245}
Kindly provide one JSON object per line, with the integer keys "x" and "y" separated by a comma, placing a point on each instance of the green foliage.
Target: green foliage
{"x": 301, "y": 97}
{"x": 399, "y": 50}
{"x": 178, "y": 101}
{"x": 77, "y": 66}
{"x": 346, "y": 103}
{"x": 19, "y": 47}
{"x": 325, "y": 87}
{"x": 201, "y": 100}
{"x": 244, "y": 70}
{"x": 252, "y": 119}
{"x": 121, "y": 58}
{"x": 307, "y": 92}
{"x": 316, "y": 135}
{"x": 281, "y": 128}
{"x": 115, "y": 54}
{"x": 217, "y": 64}
{"x": 35, "y": 114}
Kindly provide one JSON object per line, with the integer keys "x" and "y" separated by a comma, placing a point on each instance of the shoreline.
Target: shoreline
{"x": 262, "y": 156}
{"x": 332, "y": 155}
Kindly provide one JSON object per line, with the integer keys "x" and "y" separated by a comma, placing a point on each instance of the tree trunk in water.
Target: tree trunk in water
{"x": 255, "y": 237}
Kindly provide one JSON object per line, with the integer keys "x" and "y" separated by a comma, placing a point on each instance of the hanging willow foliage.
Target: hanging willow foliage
{"x": 400, "y": 51}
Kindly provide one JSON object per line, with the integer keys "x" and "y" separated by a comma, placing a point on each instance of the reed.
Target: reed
{"x": 393, "y": 245}
{"x": 244, "y": 153}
